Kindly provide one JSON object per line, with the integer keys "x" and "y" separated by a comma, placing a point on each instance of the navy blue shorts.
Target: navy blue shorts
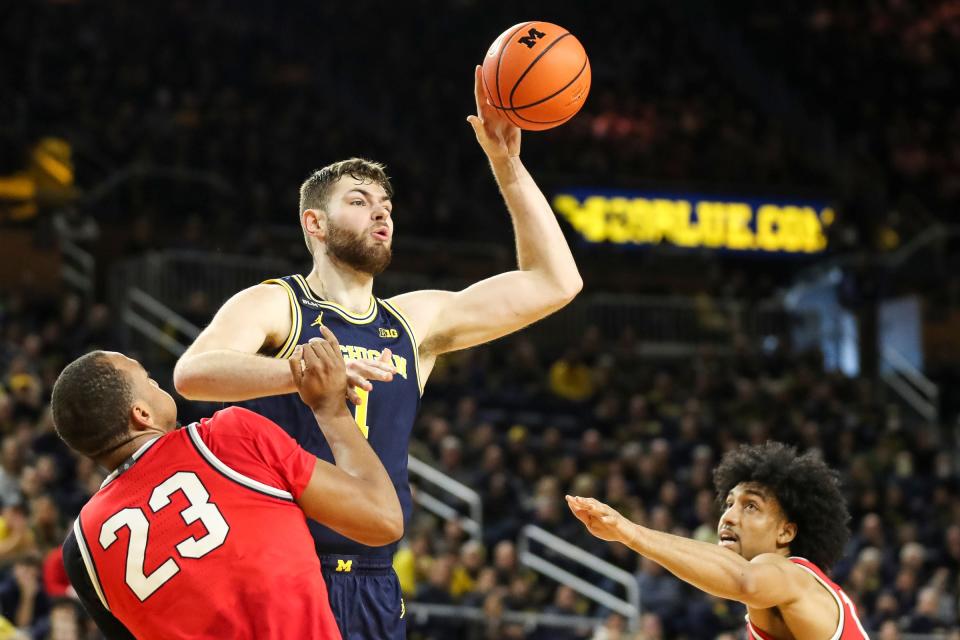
{"x": 365, "y": 597}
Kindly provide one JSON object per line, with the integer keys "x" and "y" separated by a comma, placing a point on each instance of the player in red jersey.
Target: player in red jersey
{"x": 784, "y": 520}
{"x": 201, "y": 532}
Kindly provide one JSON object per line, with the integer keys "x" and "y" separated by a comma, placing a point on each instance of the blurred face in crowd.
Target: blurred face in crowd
{"x": 753, "y": 522}
{"x": 359, "y": 225}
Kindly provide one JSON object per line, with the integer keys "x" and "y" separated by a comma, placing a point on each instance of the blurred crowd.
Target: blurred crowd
{"x": 881, "y": 72}
{"x": 525, "y": 425}
{"x": 211, "y": 113}
{"x": 43, "y": 484}
{"x": 248, "y": 97}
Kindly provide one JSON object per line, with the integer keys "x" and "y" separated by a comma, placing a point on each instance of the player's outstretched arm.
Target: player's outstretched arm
{"x": 354, "y": 497}
{"x": 222, "y": 364}
{"x": 546, "y": 278}
{"x": 768, "y": 580}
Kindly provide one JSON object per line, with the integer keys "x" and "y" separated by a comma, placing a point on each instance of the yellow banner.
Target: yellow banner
{"x": 713, "y": 224}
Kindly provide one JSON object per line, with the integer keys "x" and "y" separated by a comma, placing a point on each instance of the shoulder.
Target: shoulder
{"x": 420, "y": 309}
{"x": 235, "y": 422}
{"x": 777, "y": 560}
{"x": 272, "y": 292}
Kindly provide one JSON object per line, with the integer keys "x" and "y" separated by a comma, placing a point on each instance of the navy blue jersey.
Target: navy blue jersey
{"x": 387, "y": 412}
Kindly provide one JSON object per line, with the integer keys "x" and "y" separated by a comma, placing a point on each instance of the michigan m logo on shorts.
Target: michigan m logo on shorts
{"x": 344, "y": 566}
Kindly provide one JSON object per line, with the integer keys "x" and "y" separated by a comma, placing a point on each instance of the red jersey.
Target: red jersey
{"x": 197, "y": 535}
{"x": 848, "y": 628}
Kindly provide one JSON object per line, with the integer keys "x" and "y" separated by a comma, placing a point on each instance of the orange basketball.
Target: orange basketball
{"x": 538, "y": 74}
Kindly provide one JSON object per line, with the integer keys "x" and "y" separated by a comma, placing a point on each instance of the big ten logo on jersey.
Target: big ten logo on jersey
{"x": 389, "y": 333}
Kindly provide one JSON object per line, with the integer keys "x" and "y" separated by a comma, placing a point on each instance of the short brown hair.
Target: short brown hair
{"x": 315, "y": 190}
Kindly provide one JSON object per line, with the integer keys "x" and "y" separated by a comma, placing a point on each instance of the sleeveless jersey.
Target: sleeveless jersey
{"x": 197, "y": 535}
{"x": 848, "y": 628}
{"x": 386, "y": 414}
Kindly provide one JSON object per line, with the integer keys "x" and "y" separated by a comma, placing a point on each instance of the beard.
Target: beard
{"x": 356, "y": 251}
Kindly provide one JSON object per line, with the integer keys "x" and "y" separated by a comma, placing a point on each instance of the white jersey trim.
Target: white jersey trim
{"x": 88, "y": 562}
{"x": 236, "y": 476}
{"x": 836, "y": 598}
{"x": 136, "y": 456}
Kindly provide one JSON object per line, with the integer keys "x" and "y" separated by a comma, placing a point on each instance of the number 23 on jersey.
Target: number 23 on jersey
{"x": 136, "y": 521}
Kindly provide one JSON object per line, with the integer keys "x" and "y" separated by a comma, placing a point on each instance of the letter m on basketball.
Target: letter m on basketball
{"x": 531, "y": 38}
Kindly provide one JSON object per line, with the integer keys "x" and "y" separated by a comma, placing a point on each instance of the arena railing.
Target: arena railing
{"x": 78, "y": 267}
{"x": 157, "y": 322}
{"x": 916, "y": 389}
{"x": 665, "y": 326}
{"x": 423, "y": 612}
{"x": 532, "y": 536}
{"x": 473, "y": 524}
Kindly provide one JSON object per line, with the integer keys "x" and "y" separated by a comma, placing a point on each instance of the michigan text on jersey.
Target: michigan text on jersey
{"x": 353, "y": 352}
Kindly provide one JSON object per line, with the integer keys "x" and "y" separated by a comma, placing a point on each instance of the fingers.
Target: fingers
{"x": 478, "y": 92}
{"x": 371, "y": 370}
{"x": 330, "y": 337}
{"x": 356, "y": 380}
{"x": 353, "y": 396}
{"x": 296, "y": 365}
{"x": 588, "y": 506}
{"x": 331, "y": 346}
{"x": 311, "y": 353}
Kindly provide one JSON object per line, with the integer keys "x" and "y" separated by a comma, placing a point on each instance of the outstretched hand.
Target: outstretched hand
{"x": 601, "y": 520}
{"x": 320, "y": 374}
{"x": 361, "y": 372}
{"x": 499, "y": 137}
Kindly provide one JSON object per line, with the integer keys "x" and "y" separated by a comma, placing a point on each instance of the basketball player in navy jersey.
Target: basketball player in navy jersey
{"x": 347, "y": 218}
{"x": 784, "y": 524}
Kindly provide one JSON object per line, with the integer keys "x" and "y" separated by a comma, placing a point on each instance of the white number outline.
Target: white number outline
{"x": 134, "y": 518}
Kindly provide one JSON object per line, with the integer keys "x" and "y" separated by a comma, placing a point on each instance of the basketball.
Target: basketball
{"x": 537, "y": 74}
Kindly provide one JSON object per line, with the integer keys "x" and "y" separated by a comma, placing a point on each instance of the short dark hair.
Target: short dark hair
{"x": 806, "y": 488}
{"x": 315, "y": 190}
{"x": 91, "y": 403}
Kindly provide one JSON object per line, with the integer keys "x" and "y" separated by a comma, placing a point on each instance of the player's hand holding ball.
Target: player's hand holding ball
{"x": 535, "y": 76}
{"x": 320, "y": 374}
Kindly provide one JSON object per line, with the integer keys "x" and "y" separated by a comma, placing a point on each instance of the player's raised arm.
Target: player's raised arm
{"x": 355, "y": 497}
{"x": 546, "y": 278}
{"x": 769, "y": 580}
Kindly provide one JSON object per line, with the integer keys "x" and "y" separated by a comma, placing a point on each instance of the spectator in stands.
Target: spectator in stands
{"x": 22, "y": 598}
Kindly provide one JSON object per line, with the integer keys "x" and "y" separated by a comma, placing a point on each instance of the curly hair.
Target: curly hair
{"x": 806, "y": 488}
{"x": 91, "y": 404}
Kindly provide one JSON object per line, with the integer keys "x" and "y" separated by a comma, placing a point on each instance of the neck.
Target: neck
{"x": 339, "y": 283}
{"x": 113, "y": 459}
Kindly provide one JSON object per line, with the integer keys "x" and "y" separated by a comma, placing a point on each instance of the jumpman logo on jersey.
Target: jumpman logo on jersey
{"x": 319, "y": 321}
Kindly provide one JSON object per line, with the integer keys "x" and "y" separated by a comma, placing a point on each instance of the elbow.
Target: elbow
{"x": 184, "y": 381}
{"x": 567, "y": 290}
{"x": 748, "y": 588}
{"x": 392, "y": 525}
{"x": 389, "y": 525}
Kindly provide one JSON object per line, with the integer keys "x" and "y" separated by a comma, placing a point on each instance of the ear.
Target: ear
{"x": 788, "y": 531}
{"x": 141, "y": 417}
{"x": 314, "y": 222}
